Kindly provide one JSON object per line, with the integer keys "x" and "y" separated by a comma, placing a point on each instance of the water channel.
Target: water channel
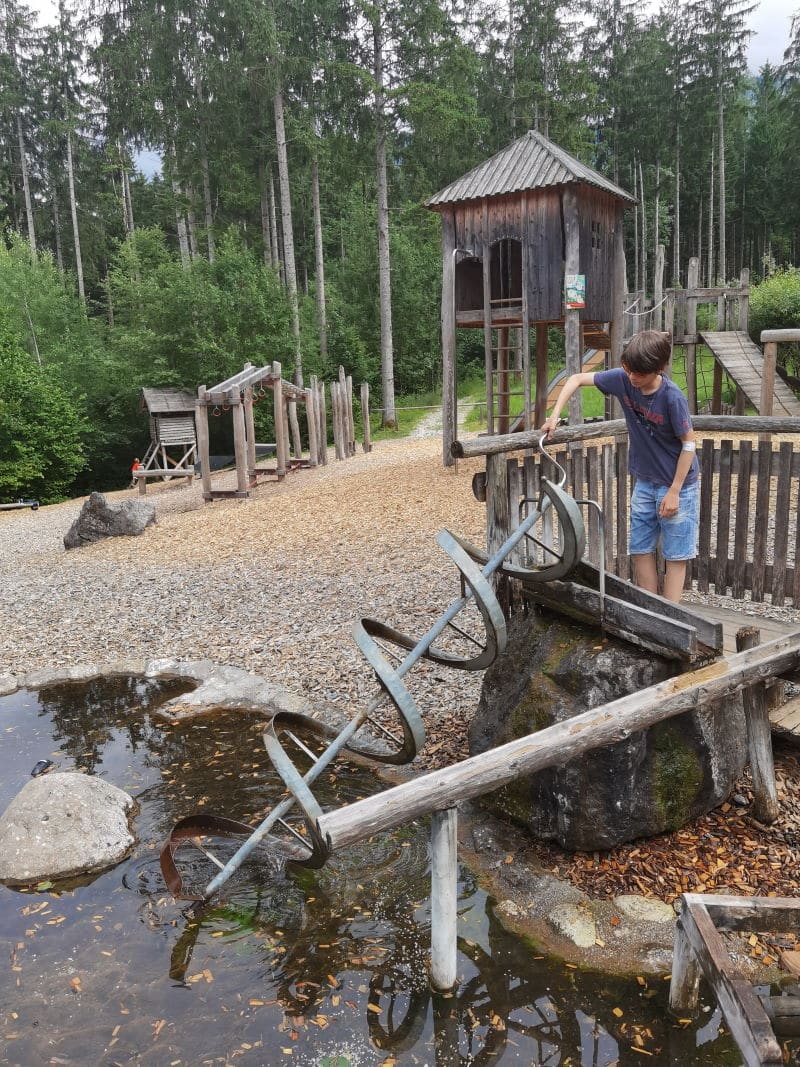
{"x": 322, "y": 969}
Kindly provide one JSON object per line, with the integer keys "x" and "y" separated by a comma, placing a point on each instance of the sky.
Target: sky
{"x": 770, "y": 23}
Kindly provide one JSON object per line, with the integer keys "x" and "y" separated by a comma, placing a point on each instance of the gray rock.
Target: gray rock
{"x": 99, "y": 519}
{"x": 575, "y": 923}
{"x": 652, "y": 782}
{"x": 644, "y": 909}
{"x": 8, "y": 684}
{"x": 63, "y": 824}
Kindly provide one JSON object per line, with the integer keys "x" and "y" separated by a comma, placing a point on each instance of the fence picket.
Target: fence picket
{"x": 762, "y": 519}
{"x": 723, "y": 517}
{"x": 783, "y": 502}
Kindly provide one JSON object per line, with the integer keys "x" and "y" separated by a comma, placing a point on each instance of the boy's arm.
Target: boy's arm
{"x": 671, "y": 502}
{"x": 570, "y": 386}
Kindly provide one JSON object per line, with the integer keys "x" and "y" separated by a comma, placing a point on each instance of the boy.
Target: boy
{"x": 661, "y": 457}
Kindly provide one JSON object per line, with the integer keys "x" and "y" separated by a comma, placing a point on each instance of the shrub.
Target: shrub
{"x": 775, "y": 305}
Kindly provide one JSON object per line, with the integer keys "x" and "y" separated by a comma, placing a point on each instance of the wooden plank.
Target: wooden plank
{"x": 782, "y": 512}
{"x": 608, "y": 504}
{"x": 761, "y": 526}
{"x": 742, "y": 526}
{"x": 643, "y": 628}
{"x": 444, "y": 899}
{"x": 623, "y": 558}
{"x": 706, "y": 505}
{"x": 593, "y": 484}
{"x": 743, "y": 1011}
{"x": 735, "y": 914}
{"x": 723, "y": 516}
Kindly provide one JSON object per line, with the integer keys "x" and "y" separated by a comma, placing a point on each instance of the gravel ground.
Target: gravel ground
{"x": 271, "y": 584}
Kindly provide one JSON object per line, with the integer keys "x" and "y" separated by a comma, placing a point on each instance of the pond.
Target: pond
{"x": 324, "y": 968}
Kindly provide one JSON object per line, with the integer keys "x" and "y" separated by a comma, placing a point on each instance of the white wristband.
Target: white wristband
{"x": 688, "y": 446}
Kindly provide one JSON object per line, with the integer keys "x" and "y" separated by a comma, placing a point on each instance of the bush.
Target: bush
{"x": 775, "y": 305}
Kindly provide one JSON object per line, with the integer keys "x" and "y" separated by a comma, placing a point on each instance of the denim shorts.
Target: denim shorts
{"x": 678, "y": 533}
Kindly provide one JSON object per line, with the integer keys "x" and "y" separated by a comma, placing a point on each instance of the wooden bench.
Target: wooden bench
{"x": 141, "y": 476}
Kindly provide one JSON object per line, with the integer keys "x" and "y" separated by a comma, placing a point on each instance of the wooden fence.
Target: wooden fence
{"x": 749, "y": 539}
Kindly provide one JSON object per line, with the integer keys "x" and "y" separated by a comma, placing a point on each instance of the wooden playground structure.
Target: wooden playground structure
{"x": 179, "y": 419}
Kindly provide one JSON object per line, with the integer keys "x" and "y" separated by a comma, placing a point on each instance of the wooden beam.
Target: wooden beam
{"x": 559, "y": 743}
{"x": 444, "y": 899}
{"x": 759, "y": 739}
{"x": 513, "y": 442}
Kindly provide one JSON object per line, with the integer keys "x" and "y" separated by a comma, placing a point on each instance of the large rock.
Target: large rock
{"x": 655, "y": 781}
{"x": 99, "y": 519}
{"x": 63, "y": 824}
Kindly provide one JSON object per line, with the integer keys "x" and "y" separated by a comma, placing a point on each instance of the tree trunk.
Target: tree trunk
{"x": 384, "y": 268}
{"x": 50, "y": 185}
{"x": 288, "y": 261}
{"x": 319, "y": 266}
{"x": 208, "y": 204}
{"x": 128, "y": 200}
{"x": 26, "y": 187}
{"x": 180, "y": 221}
{"x": 74, "y": 209}
{"x": 676, "y": 236}
{"x": 656, "y": 209}
{"x": 191, "y": 224}
{"x": 277, "y": 260}
{"x": 722, "y": 272}
{"x": 710, "y": 269}
{"x": 644, "y": 233}
{"x": 635, "y": 231}
{"x": 266, "y": 236}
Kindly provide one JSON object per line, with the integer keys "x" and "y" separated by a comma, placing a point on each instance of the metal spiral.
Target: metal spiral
{"x": 308, "y": 847}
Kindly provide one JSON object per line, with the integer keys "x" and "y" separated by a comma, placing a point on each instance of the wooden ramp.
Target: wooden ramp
{"x": 743, "y": 361}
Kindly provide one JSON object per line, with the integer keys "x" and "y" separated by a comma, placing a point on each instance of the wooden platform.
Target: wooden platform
{"x": 786, "y": 718}
{"x": 743, "y": 362}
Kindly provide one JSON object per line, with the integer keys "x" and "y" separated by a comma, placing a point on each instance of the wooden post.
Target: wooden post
{"x": 684, "y": 987}
{"x": 759, "y": 738}
{"x": 240, "y": 445}
{"x": 311, "y": 422}
{"x": 444, "y": 899}
{"x": 744, "y": 299}
{"x": 448, "y": 335}
{"x": 250, "y": 432}
{"x": 322, "y": 410}
{"x": 365, "y": 417}
{"x": 658, "y": 288}
{"x": 768, "y": 379}
{"x": 691, "y": 331}
{"x": 525, "y": 332}
{"x": 281, "y": 431}
{"x": 488, "y": 357}
{"x": 203, "y": 450}
{"x": 572, "y": 316}
{"x": 335, "y": 419}
{"x": 540, "y": 410}
{"x": 351, "y": 425}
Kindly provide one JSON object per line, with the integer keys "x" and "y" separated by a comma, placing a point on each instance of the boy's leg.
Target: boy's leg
{"x": 645, "y": 573}
{"x": 674, "y": 579}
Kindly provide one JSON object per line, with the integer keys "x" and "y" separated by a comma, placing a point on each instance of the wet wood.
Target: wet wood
{"x": 444, "y": 899}
{"x": 759, "y": 738}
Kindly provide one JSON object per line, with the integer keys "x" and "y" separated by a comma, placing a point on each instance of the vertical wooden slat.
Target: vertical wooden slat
{"x": 201, "y": 429}
{"x": 761, "y": 523}
{"x": 572, "y": 316}
{"x": 742, "y": 529}
{"x": 365, "y": 417}
{"x": 593, "y": 477}
{"x": 250, "y": 432}
{"x": 691, "y": 330}
{"x": 488, "y": 358}
{"x": 706, "y": 505}
{"x": 723, "y": 498}
{"x": 541, "y": 373}
{"x": 526, "y": 340}
{"x": 322, "y": 408}
{"x": 623, "y": 487}
{"x": 782, "y": 512}
{"x": 311, "y": 422}
{"x": 608, "y": 503}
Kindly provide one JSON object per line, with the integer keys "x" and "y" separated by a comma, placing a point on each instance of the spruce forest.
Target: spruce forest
{"x": 298, "y": 143}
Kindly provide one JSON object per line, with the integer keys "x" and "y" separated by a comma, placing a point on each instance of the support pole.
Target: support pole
{"x": 444, "y": 899}
{"x": 250, "y": 428}
{"x": 201, "y": 429}
{"x": 311, "y": 421}
{"x": 691, "y": 331}
{"x": 365, "y": 416}
{"x": 240, "y": 446}
{"x": 572, "y": 316}
{"x": 759, "y": 738}
{"x": 448, "y": 316}
{"x": 279, "y": 414}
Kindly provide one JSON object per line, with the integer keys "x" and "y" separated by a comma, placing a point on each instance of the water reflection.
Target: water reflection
{"x": 328, "y": 964}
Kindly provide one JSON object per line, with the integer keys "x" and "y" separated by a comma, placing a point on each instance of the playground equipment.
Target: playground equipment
{"x": 530, "y": 237}
{"x": 632, "y": 614}
{"x": 172, "y": 428}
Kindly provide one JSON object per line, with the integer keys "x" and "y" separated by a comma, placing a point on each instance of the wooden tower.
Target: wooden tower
{"x": 515, "y": 230}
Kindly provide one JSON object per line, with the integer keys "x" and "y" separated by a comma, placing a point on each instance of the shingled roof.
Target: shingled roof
{"x": 531, "y": 162}
{"x": 167, "y": 401}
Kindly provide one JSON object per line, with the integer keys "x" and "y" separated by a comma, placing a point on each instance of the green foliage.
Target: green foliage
{"x": 41, "y": 427}
{"x": 775, "y": 305}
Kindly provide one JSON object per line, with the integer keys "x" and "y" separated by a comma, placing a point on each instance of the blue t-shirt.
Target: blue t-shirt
{"x": 656, "y": 423}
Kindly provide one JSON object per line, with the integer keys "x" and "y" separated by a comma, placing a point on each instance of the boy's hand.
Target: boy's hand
{"x": 670, "y": 504}
{"x": 549, "y": 425}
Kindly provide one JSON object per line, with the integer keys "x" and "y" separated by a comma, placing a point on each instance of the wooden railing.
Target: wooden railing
{"x": 749, "y": 538}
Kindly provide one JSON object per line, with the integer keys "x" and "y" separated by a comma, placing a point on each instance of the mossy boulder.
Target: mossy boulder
{"x": 653, "y": 782}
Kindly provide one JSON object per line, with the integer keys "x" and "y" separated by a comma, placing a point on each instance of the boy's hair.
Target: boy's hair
{"x": 647, "y": 352}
